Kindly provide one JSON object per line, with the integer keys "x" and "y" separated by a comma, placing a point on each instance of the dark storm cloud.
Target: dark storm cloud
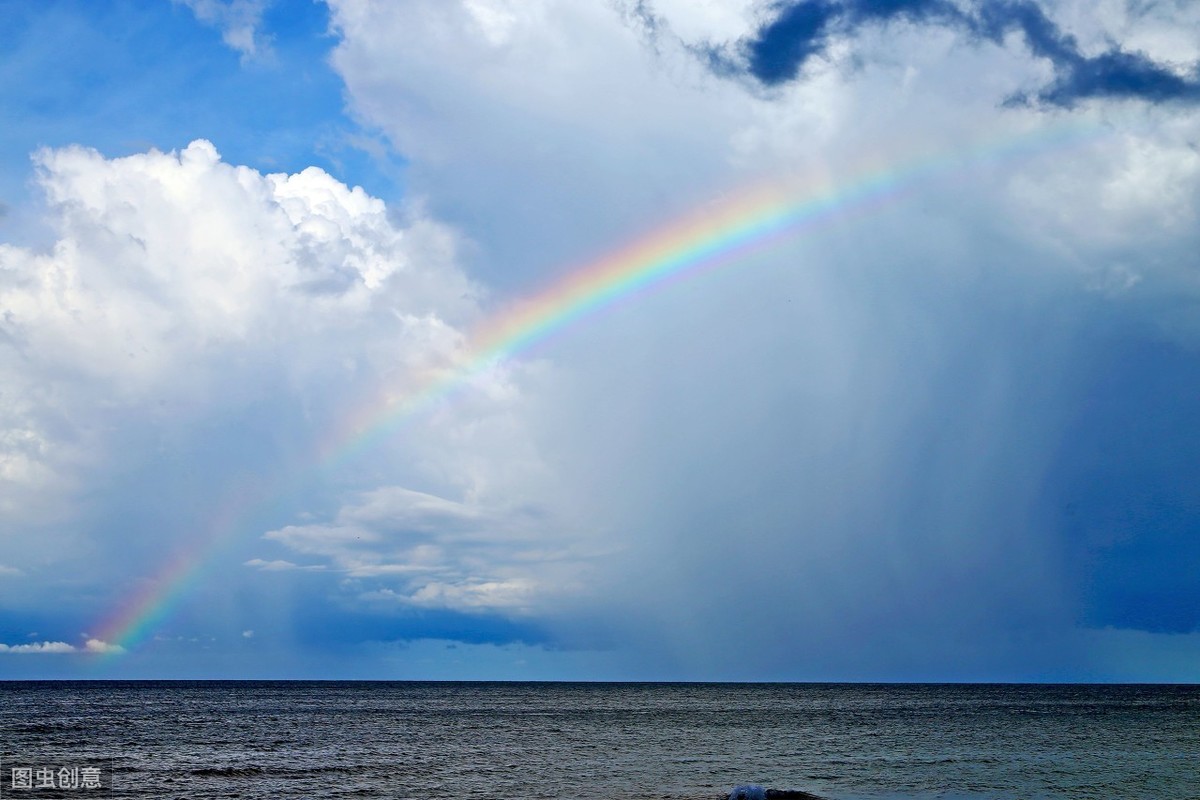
{"x": 798, "y": 31}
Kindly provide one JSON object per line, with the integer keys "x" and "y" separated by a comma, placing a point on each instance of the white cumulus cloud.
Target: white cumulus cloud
{"x": 101, "y": 646}
{"x": 183, "y": 292}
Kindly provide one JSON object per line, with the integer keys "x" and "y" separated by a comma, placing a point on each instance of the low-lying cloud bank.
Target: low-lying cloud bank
{"x": 89, "y": 646}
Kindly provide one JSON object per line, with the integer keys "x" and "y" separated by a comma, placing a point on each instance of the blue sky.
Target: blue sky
{"x": 128, "y": 76}
{"x": 949, "y": 435}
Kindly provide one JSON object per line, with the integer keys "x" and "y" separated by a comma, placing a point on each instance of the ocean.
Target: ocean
{"x": 264, "y": 739}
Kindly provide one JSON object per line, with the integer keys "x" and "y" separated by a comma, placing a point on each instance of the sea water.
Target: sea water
{"x": 561, "y": 740}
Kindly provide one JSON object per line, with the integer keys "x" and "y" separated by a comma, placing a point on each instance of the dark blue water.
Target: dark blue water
{"x": 539, "y": 740}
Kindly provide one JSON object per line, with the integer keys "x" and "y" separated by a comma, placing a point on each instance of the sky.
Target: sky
{"x": 813, "y": 340}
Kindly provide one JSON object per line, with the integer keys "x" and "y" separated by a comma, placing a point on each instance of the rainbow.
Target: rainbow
{"x": 717, "y": 235}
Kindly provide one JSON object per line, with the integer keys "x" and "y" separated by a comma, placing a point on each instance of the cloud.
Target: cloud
{"x": 38, "y": 647}
{"x": 279, "y": 565}
{"x": 1115, "y": 73}
{"x": 698, "y": 21}
{"x": 403, "y": 547}
{"x": 198, "y": 329}
{"x": 239, "y": 21}
{"x": 10, "y": 571}
{"x": 603, "y": 116}
{"x": 168, "y": 263}
{"x": 797, "y": 32}
{"x": 90, "y": 646}
{"x": 507, "y": 595}
{"x": 842, "y": 455}
{"x": 247, "y": 634}
{"x": 100, "y": 646}
{"x": 800, "y": 31}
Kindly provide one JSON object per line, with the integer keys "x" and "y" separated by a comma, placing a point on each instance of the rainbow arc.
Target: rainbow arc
{"x": 714, "y": 237}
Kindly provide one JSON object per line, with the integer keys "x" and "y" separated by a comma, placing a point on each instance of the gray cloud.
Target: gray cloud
{"x": 840, "y": 456}
{"x": 411, "y": 549}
